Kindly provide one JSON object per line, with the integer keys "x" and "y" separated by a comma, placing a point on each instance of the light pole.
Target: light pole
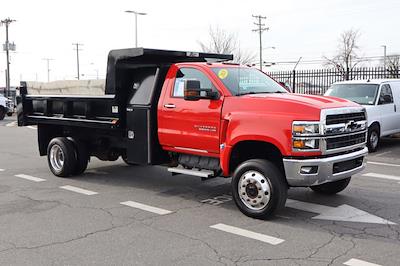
{"x": 136, "y": 15}
{"x": 96, "y": 70}
{"x": 48, "y": 67}
{"x": 269, "y": 47}
{"x": 384, "y": 59}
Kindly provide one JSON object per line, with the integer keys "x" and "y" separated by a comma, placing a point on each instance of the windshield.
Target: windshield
{"x": 359, "y": 93}
{"x": 241, "y": 81}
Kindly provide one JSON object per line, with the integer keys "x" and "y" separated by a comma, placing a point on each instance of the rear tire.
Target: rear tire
{"x": 2, "y": 113}
{"x": 259, "y": 188}
{"x": 373, "y": 138}
{"x": 82, "y": 157}
{"x": 332, "y": 187}
{"x": 61, "y": 157}
{"x": 9, "y": 114}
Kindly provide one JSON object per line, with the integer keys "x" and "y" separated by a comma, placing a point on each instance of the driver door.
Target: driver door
{"x": 387, "y": 109}
{"x": 191, "y": 126}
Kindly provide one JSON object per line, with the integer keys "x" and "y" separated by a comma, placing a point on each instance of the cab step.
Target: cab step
{"x": 197, "y": 172}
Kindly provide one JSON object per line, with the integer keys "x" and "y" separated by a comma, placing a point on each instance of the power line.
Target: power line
{"x": 76, "y": 48}
{"x": 261, "y": 28}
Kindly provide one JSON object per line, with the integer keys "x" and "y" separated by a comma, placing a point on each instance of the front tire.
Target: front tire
{"x": 332, "y": 187}
{"x": 373, "y": 138}
{"x": 259, "y": 188}
{"x": 2, "y": 113}
{"x": 61, "y": 157}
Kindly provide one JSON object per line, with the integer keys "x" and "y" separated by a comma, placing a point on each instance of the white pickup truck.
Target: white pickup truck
{"x": 381, "y": 98}
{"x": 6, "y": 107}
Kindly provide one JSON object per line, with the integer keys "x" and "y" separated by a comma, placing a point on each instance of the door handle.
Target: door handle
{"x": 169, "y": 105}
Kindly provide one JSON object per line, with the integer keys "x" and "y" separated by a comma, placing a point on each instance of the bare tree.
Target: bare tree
{"x": 393, "y": 66}
{"x": 347, "y": 54}
{"x": 224, "y": 42}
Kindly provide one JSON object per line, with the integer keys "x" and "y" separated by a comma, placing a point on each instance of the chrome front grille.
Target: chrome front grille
{"x": 345, "y": 118}
{"x": 345, "y": 141}
{"x": 343, "y": 129}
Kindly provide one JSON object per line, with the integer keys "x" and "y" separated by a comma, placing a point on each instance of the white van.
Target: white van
{"x": 381, "y": 98}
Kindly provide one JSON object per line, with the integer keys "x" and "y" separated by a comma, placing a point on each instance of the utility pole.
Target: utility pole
{"x": 384, "y": 59}
{"x": 7, "y": 47}
{"x": 136, "y": 24}
{"x": 77, "y": 56}
{"x": 261, "y": 28}
{"x": 48, "y": 67}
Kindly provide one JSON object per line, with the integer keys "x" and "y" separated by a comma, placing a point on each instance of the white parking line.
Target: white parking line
{"x": 253, "y": 235}
{"x": 389, "y": 177}
{"x": 356, "y": 262}
{"x": 384, "y": 164}
{"x": 144, "y": 207}
{"x": 1, "y": 170}
{"x": 31, "y": 178}
{"x": 79, "y": 190}
{"x": 32, "y": 127}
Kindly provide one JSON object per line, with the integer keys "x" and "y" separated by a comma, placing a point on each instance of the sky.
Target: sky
{"x": 309, "y": 29}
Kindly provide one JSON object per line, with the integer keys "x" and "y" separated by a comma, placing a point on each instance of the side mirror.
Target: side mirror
{"x": 193, "y": 92}
{"x": 285, "y": 86}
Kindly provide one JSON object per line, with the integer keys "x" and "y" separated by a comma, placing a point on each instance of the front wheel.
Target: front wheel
{"x": 258, "y": 188}
{"x": 373, "y": 138}
{"x": 2, "y": 113}
{"x": 332, "y": 187}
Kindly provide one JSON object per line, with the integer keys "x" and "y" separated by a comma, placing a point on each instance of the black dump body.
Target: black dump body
{"x": 124, "y": 120}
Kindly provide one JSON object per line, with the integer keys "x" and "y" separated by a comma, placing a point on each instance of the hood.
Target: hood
{"x": 295, "y": 106}
{"x": 314, "y": 101}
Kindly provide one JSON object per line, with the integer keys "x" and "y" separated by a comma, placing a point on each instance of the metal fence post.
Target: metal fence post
{"x": 294, "y": 81}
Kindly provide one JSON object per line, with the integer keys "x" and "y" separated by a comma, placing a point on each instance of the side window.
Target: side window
{"x": 386, "y": 95}
{"x": 190, "y": 73}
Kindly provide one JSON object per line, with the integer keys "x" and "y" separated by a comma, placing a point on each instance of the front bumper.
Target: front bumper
{"x": 296, "y": 177}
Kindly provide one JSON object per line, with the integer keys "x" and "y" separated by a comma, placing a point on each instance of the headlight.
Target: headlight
{"x": 305, "y": 128}
{"x": 305, "y": 135}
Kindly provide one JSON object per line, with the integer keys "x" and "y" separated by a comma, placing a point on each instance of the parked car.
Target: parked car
{"x": 381, "y": 98}
{"x": 6, "y": 107}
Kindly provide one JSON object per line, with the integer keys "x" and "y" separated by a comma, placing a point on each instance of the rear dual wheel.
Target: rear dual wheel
{"x": 67, "y": 157}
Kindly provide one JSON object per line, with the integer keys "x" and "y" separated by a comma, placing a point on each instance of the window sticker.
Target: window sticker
{"x": 223, "y": 73}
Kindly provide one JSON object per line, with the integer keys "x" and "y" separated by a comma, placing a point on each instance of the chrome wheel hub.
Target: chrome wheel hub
{"x": 56, "y": 157}
{"x": 254, "y": 190}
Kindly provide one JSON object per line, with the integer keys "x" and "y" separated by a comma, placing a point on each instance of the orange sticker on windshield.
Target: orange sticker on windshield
{"x": 223, "y": 73}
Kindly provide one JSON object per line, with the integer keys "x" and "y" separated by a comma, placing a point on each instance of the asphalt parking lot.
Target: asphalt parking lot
{"x": 116, "y": 214}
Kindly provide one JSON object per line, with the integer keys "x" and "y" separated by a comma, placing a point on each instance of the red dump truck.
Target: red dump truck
{"x": 198, "y": 115}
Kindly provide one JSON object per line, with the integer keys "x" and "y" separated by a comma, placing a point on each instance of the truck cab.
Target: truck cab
{"x": 204, "y": 118}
